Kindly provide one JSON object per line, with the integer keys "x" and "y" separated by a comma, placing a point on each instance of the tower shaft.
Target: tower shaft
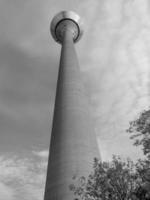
{"x": 73, "y": 143}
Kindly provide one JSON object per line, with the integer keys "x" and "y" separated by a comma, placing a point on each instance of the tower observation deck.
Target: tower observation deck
{"x": 73, "y": 143}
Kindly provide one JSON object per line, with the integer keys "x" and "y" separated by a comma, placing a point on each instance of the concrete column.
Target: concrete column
{"x": 73, "y": 143}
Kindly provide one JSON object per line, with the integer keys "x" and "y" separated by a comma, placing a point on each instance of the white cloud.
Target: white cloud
{"x": 6, "y": 192}
{"x": 117, "y": 71}
{"x": 22, "y": 177}
{"x": 41, "y": 154}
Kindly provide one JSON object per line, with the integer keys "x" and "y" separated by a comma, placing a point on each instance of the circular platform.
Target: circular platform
{"x": 64, "y": 20}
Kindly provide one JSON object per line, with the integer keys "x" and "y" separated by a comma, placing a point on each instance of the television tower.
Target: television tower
{"x": 73, "y": 143}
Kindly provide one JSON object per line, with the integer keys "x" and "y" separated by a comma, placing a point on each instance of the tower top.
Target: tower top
{"x": 63, "y": 21}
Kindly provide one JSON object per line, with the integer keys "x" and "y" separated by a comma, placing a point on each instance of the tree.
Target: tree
{"x": 143, "y": 171}
{"x": 115, "y": 180}
{"x": 140, "y": 130}
{"x": 118, "y": 179}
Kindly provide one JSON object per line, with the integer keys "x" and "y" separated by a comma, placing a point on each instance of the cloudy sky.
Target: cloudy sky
{"x": 114, "y": 59}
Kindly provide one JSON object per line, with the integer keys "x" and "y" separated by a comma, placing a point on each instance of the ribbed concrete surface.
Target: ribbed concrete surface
{"x": 73, "y": 144}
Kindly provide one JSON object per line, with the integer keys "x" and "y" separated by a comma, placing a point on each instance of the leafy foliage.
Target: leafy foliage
{"x": 140, "y": 129}
{"x": 118, "y": 179}
{"x": 115, "y": 180}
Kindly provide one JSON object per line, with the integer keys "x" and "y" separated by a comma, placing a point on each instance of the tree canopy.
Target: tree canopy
{"x": 140, "y": 130}
{"x": 115, "y": 180}
{"x": 120, "y": 179}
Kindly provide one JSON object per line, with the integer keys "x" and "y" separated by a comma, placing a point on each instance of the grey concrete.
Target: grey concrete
{"x": 73, "y": 143}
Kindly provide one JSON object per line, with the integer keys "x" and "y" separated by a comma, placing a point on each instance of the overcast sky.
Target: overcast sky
{"x": 114, "y": 59}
